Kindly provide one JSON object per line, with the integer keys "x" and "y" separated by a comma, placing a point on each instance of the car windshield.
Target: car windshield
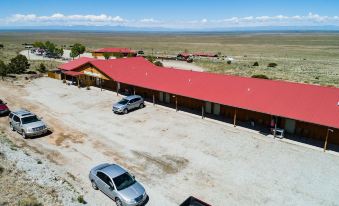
{"x": 123, "y": 101}
{"x": 123, "y": 181}
{"x": 30, "y": 119}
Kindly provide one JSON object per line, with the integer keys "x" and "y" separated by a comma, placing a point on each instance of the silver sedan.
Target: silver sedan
{"x": 118, "y": 184}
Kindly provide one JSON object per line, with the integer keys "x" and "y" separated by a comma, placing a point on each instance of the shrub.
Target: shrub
{"x": 158, "y": 63}
{"x": 42, "y": 68}
{"x": 131, "y": 55}
{"x": 1, "y": 170}
{"x": 32, "y": 201}
{"x": 1, "y": 46}
{"x": 118, "y": 55}
{"x": 81, "y": 199}
{"x": 229, "y": 62}
{"x": 272, "y": 65}
{"x": 107, "y": 55}
{"x": 151, "y": 58}
{"x": 39, "y": 162}
{"x": 260, "y": 76}
{"x": 256, "y": 64}
{"x": 3, "y": 69}
{"x": 18, "y": 65}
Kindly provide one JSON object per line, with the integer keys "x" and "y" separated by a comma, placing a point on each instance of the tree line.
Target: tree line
{"x": 50, "y": 47}
{"x": 76, "y": 49}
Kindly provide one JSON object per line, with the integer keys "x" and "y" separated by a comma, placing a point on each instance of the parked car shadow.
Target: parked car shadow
{"x": 5, "y": 114}
{"x": 49, "y": 132}
{"x": 132, "y": 110}
{"x": 143, "y": 204}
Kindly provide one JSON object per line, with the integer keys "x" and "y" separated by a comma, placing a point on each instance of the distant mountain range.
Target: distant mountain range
{"x": 328, "y": 28}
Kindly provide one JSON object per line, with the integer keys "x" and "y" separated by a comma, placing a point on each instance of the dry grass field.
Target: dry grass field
{"x": 301, "y": 57}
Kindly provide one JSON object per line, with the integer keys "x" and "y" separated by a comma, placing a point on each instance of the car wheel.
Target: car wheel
{"x": 118, "y": 202}
{"x": 125, "y": 111}
{"x": 11, "y": 127}
{"x": 94, "y": 185}
{"x": 23, "y": 134}
{"x": 141, "y": 105}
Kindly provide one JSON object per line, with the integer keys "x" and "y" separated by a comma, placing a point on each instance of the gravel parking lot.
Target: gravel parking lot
{"x": 174, "y": 154}
{"x": 33, "y": 56}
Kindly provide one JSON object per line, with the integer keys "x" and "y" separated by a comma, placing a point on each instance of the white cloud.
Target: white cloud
{"x": 204, "y": 21}
{"x": 151, "y": 20}
{"x": 59, "y": 19}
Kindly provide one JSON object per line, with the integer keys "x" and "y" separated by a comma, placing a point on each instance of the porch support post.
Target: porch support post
{"x": 78, "y": 81}
{"x": 275, "y": 126}
{"x": 153, "y": 99}
{"x": 235, "y": 117}
{"x": 176, "y": 103}
{"x": 326, "y": 140}
{"x": 202, "y": 111}
{"x": 134, "y": 90}
{"x": 117, "y": 89}
{"x": 100, "y": 84}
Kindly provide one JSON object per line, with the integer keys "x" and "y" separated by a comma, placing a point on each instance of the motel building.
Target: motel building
{"x": 297, "y": 111}
{"x": 123, "y": 51}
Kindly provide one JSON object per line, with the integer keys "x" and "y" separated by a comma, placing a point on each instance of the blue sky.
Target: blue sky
{"x": 174, "y": 13}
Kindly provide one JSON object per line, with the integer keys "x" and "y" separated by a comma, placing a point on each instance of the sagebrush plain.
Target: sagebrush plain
{"x": 311, "y": 57}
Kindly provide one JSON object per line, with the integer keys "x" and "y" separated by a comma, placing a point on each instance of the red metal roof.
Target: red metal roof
{"x": 309, "y": 103}
{"x": 75, "y": 63}
{"x": 115, "y": 50}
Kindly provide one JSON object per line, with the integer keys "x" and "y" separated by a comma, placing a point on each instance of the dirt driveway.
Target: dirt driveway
{"x": 173, "y": 154}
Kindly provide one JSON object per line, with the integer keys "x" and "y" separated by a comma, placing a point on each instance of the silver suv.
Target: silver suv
{"x": 27, "y": 124}
{"x": 118, "y": 184}
{"x": 128, "y": 103}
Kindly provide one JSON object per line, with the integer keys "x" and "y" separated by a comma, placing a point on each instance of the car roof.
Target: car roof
{"x": 132, "y": 97}
{"x": 23, "y": 113}
{"x": 113, "y": 170}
